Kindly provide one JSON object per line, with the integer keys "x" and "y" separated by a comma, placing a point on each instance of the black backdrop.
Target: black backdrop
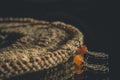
{"x": 89, "y": 16}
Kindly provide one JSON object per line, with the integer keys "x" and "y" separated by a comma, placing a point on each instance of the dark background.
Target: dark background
{"x": 89, "y": 16}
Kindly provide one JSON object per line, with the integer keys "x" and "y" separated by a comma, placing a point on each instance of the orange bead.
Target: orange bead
{"x": 78, "y": 59}
{"x": 82, "y": 49}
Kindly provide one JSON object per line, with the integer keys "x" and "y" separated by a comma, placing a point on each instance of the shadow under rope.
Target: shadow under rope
{"x": 8, "y": 38}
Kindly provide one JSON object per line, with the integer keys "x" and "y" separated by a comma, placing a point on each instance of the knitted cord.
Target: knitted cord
{"x": 28, "y": 46}
{"x": 34, "y": 45}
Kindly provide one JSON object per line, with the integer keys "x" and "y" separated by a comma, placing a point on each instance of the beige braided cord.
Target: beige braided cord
{"x": 60, "y": 72}
{"x": 39, "y": 45}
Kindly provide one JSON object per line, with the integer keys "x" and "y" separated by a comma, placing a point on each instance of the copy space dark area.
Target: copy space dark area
{"x": 88, "y": 16}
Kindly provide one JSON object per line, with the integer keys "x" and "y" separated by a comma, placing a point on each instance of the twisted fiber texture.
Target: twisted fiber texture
{"x": 60, "y": 72}
{"x": 28, "y": 45}
{"x": 65, "y": 71}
